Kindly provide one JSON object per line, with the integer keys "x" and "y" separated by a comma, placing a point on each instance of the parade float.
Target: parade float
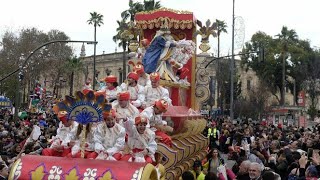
{"x": 188, "y": 143}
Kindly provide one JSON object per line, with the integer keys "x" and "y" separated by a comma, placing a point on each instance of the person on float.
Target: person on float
{"x": 109, "y": 138}
{"x": 89, "y": 152}
{"x": 112, "y": 88}
{"x": 124, "y": 108}
{"x": 61, "y": 142}
{"x": 87, "y": 86}
{"x": 136, "y": 91}
{"x": 154, "y": 114}
{"x": 141, "y": 140}
{"x": 155, "y": 91}
{"x": 144, "y": 79}
{"x": 142, "y": 49}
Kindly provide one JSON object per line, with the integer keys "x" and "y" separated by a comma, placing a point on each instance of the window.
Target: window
{"x": 248, "y": 84}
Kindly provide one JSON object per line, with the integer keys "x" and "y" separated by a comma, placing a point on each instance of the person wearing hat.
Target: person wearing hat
{"x": 87, "y": 87}
{"x": 154, "y": 114}
{"x": 61, "y": 143}
{"x": 112, "y": 88}
{"x": 141, "y": 140}
{"x": 109, "y": 137}
{"x": 155, "y": 91}
{"x": 136, "y": 91}
{"x": 142, "y": 49}
{"x": 124, "y": 108}
{"x": 144, "y": 79}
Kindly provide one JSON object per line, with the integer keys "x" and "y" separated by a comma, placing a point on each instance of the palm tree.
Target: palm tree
{"x": 131, "y": 12}
{"x": 73, "y": 66}
{"x": 286, "y": 38}
{"x": 97, "y": 20}
{"x": 149, "y": 5}
{"x": 221, "y": 27}
{"x": 123, "y": 42}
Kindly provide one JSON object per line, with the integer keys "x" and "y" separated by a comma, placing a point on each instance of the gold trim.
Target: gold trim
{"x": 172, "y": 84}
{"x": 149, "y": 172}
{"x": 14, "y": 168}
{"x": 165, "y": 9}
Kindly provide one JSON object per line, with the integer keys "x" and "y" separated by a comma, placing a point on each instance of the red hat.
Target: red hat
{"x": 133, "y": 76}
{"x": 106, "y": 114}
{"x": 155, "y": 76}
{"x": 279, "y": 125}
{"x": 86, "y": 91}
{"x": 264, "y": 123}
{"x": 111, "y": 79}
{"x": 140, "y": 119}
{"x": 162, "y": 105}
{"x": 139, "y": 69}
{"x": 63, "y": 116}
{"x": 124, "y": 96}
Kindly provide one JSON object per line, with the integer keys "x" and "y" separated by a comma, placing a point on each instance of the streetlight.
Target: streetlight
{"x": 25, "y": 62}
{"x": 232, "y": 65}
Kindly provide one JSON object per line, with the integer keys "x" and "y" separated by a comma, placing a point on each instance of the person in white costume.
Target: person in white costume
{"x": 155, "y": 91}
{"x": 112, "y": 88}
{"x": 89, "y": 152}
{"x": 124, "y": 108}
{"x": 109, "y": 138}
{"x": 60, "y": 144}
{"x": 154, "y": 114}
{"x": 141, "y": 141}
{"x": 136, "y": 91}
{"x": 144, "y": 79}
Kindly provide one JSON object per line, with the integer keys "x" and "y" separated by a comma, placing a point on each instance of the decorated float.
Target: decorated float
{"x": 178, "y": 76}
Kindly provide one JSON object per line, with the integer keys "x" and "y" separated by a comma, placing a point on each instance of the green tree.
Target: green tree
{"x": 73, "y": 66}
{"x": 269, "y": 70}
{"x": 286, "y": 38}
{"x": 97, "y": 20}
{"x": 134, "y": 7}
{"x": 149, "y": 5}
{"x": 221, "y": 28}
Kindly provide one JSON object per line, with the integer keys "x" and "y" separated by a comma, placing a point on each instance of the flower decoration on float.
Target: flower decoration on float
{"x": 85, "y": 108}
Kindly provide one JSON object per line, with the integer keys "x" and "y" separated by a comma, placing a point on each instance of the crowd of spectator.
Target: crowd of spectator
{"x": 260, "y": 152}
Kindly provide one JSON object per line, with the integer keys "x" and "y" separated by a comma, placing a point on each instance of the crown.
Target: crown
{"x": 164, "y": 27}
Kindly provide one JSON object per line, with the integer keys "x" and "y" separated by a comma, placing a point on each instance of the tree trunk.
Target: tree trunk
{"x": 71, "y": 83}
{"x": 124, "y": 62}
{"x": 94, "y": 58}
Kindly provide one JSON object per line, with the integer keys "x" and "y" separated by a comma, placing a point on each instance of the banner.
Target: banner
{"x": 302, "y": 98}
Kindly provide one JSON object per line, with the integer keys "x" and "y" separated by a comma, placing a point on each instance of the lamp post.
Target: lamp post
{"x": 232, "y": 65}
{"x": 20, "y": 69}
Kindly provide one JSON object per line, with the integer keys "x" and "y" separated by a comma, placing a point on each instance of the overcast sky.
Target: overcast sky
{"x": 70, "y": 16}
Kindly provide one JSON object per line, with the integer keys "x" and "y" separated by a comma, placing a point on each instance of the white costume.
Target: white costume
{"x": 109, "y": 140}
{"x": 89, "y": 146}
{"x": 154, "y": 119}
{"x": 128, "y": 112}
{"x": 112, "y": 94}
{"x": 137, "y": 95}
{"x": 153, "y": 94}
{"x": 144, "y": 81}
{"x": 140, "y": 141}
{"x": 64, "y": 135}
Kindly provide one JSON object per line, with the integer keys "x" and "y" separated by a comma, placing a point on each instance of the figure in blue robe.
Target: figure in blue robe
{"x": 152, "y": 55}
